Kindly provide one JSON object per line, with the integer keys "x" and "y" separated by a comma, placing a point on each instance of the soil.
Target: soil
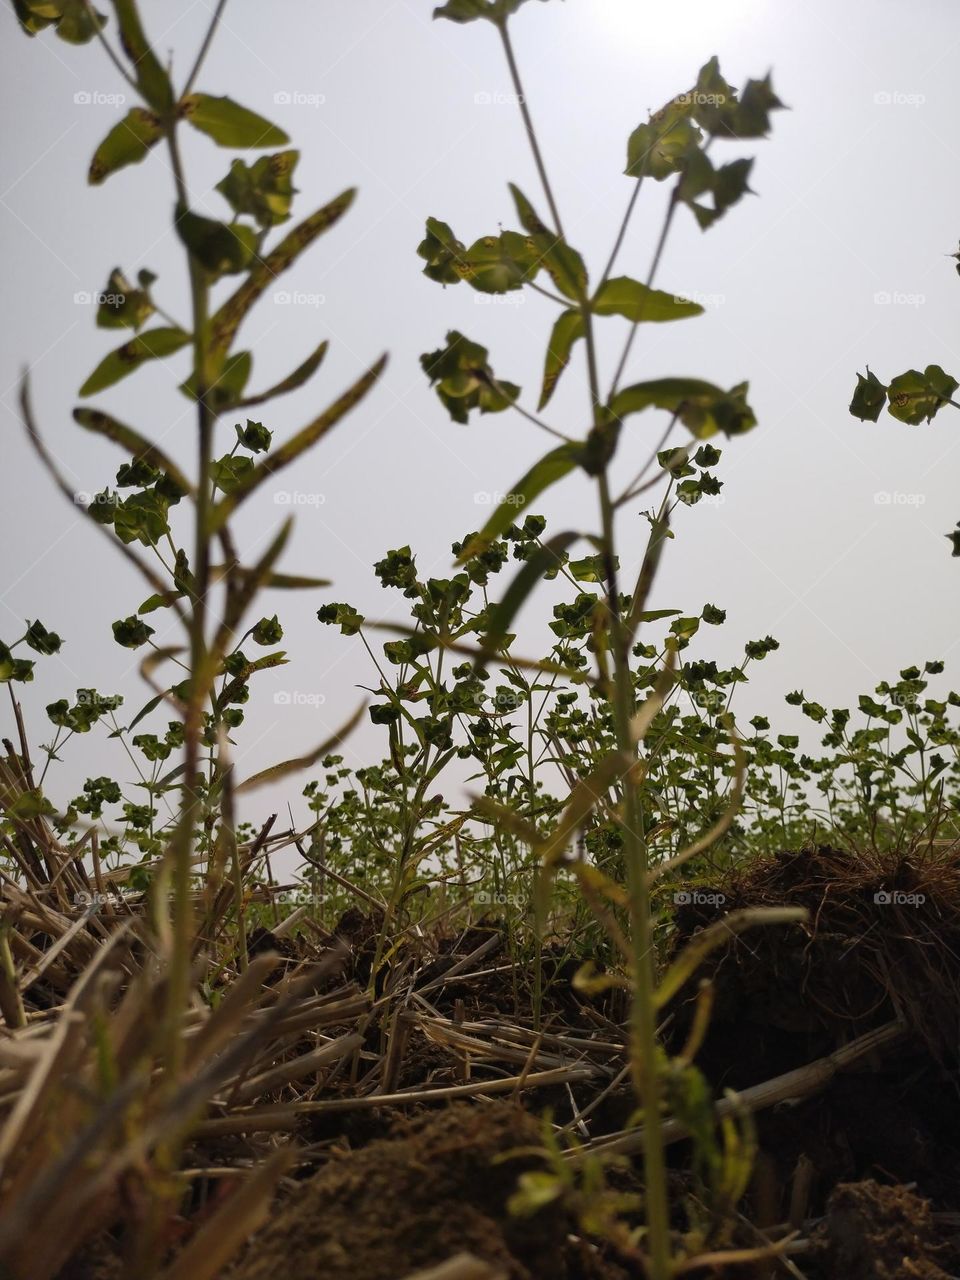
{"x": 872, "y": 1232}
{"x": 869, "y": 1166}
{"x": 438, "y": 1186}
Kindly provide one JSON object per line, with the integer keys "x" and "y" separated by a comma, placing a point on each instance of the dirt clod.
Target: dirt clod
{"x": 873, "y": 1232}
{"x": 437, "y": 1186}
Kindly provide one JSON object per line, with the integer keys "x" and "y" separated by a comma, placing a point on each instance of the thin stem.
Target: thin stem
{"x": 643, "y": 1027}
{"x": 554, "y": 297}
{"x": 528, "y": 125}
{"x": 191, "y": 814}
{"x": 530, "y": 417}
{"x": 114, "y": 57}
{"x": 658, "y": 254}
{"x": 621, "y": 234}
{"x": 204, "y": 48}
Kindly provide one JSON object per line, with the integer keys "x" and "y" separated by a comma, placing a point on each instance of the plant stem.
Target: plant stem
{"x": 644, "y": 1049}
{"x": 199, "y": 680}
{"x": 204, "y": 48}
{"x": 528, "y": 125}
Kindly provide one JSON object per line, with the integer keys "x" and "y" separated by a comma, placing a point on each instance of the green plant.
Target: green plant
{"x": 175, "y": 528}
{"x": 672, "y": 145}
{"x": 911, "y": 397}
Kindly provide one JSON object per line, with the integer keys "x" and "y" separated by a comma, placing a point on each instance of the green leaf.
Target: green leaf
{"x": 568, "y": 328}
{"x": 121, "y": 305}
{"x": 703, "y": 408}
{"x": 230, "y": 472}
{"x": 342, "y": 615}
{"x": 660, "y": 147}
{"x": 751, "y": 119}
{"x": 869, "y": 397}
{"x": 564, "y": 264}
{"x": 79, "y": 22}
{"x": 268, "y": 267}
{"x": 131, "y": 632}
{"x": 305, "y": 438}
{"x": 36, "y": 15}
{"x": 492, "y": 264}
{"x": 152, "y": 345}
{"x": 292, "y": 381}
{"x": 496, "y": 264}
{"x": 470, "y": 10}
{"x": 546, "y": 557}
{"x": 264, "y": 190}
{"x": 227, "y": 387}
{"x": 141, "y": 448}
{"x": 41, "y": 640}
{"x": 254, "y": 436}
{"x": 622, "y": 296}
{"x": 126, "y": 143}
{"x": 229, "y": 124}
{"x": 152, "y": 80}
{"x": 591, "y": 568}
{"x": 222, "y": 249}
{"x": 551, "y": 468}
{"x": 916, "y": 397}
{"x": 464, "y": 379}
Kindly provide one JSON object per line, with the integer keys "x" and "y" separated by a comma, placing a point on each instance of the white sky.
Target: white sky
{"x": 857, "y": 197}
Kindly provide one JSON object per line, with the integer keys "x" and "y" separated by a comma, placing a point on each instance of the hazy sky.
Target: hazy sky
{"x": 840, "y": 261}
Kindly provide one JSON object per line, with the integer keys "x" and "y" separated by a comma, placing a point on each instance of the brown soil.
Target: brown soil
{"x": 873, "y": 1232}
{"x": 437, "y": 1187}
{"x": 391, "y": 1190}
